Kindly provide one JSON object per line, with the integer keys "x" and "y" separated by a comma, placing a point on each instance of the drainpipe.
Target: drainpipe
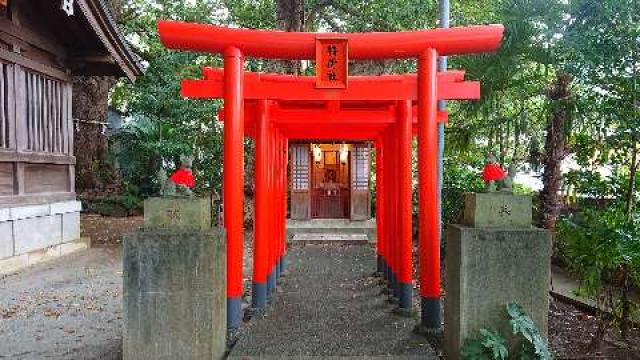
{"x": 442, "y": 106}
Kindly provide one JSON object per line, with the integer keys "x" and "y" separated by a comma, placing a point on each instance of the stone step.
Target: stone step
{"x": 332, "y": 226}
{"x": 323, "y": 238}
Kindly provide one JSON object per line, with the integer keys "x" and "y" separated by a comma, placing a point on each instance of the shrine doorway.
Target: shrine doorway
{"x": 330, "y": 180}
{"x": 330, "y": 191}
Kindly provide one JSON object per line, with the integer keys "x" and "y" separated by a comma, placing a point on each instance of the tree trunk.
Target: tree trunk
{"x": 290, "y": 18}
{"x": 89, "y": 108}
{"x": 555, "y": 151}
{"x": 633, "y": 170}
{"x": 625, "y": 314}
{"x": 90, "y": 103}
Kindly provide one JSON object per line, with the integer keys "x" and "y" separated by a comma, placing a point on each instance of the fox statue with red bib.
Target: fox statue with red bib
{"x": 495, "y": 178}
{"x": 181, "y": 182}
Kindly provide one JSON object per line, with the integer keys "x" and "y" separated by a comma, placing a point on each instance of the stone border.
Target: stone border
{"x": 19, "y": 262}
{"x": 25, "y": 212}
{"x": 35, "y": 233}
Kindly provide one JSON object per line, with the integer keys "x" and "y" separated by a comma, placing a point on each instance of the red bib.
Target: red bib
{"x": 493, "y": 172}
{"x": 183, "y": 177}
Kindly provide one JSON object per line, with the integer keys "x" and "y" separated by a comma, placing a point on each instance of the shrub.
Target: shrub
{"x": 459, "y": 178}
{"x": 603, "y": 248}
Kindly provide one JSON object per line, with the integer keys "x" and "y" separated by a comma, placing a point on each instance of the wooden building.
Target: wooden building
{"x": 43, "y": 45}
{"x": 330, "y": 181}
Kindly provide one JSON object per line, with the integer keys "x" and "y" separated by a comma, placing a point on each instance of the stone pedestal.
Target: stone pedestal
{"x": 489, "y": 267}
{"x": 174, "y": 299}
{"x": 177, "y": 213}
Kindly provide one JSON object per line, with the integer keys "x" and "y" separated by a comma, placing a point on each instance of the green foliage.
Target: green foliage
{"x": 521, "y": 324}
{"x": 599, "y": 244}
{"x": 510, "y": 112}
{"x": 162, "y": 125}
{"x": 459, "y": 178}
{"x": 115, "y": 205}
{"x": 602, "y": 247}
{"x": 491, "y": 345}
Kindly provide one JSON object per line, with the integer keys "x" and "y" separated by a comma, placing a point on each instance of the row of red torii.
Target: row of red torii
{"x": 387, "y": 110}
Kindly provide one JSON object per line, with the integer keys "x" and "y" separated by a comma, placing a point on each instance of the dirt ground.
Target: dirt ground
{"x": 104, "y": 230}
{"x": 70, "y": 308}
{"x": 571, "y": 332}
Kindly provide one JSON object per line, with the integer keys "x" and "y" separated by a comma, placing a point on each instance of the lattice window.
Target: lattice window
{"x": 6, "y": 77}
{"x": 47, "y": 114}
{"x": 300, "y": 168}
{"x": 360, "y": 168}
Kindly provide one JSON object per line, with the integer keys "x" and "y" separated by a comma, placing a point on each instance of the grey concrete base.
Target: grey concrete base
{"x": 174, "y": 295}
{"x": 405, "y": 295}
{"x": 259, "y": 295}
{"x": 31, "y": 234}
{"x": 487, "y": 269}
{"x": 234, "y": 312}
{"x": 430, "y": 316}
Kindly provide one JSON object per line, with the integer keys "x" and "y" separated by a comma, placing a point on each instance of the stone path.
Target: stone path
{"x": 328, "y": 306}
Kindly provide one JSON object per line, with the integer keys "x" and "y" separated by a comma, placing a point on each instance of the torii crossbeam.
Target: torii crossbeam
{"x": 386, "y": 109}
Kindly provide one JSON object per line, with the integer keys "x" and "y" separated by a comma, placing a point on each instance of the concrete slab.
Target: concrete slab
{"x": 25, "y": 212}
{"x": 70, "y": 226}
{"x": 5, "y": 214}
{"x": 66, "y": 207}
{"x": 37, "y": 233}
{"x": 6, "y": 239}
{"x": 19, "y": 262}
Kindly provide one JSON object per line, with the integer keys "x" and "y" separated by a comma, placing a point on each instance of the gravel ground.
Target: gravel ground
{"x": 68, "y": 308}
{"x": 328, "y": 305}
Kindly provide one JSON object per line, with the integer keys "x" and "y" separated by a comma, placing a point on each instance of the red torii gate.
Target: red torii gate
{"x": 386, "y": 109}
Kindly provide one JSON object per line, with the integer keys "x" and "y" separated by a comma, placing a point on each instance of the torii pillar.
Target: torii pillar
{"x": 429, "y": 235}
{"x": 233, "y": 173}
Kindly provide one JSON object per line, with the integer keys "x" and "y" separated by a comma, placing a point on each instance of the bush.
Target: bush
{"x": 459, "y": 178}
{"x": 119, "y": 205}
{"x": 603, "y": 248}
